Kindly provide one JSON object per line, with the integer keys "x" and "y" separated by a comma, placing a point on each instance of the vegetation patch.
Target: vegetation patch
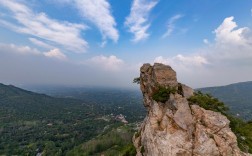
{"x": 137, "y": 134}
{"x": 163, "y": 94}
{"x": 208, "y": 102}
{"x": 115, "y": 141}
{"x": 136, "y": 80}
{"x": 142, "y": 150}
{"x": 129, "y": 150}
{"x": 180, "y": 89}
{"x": 242, "y": 129}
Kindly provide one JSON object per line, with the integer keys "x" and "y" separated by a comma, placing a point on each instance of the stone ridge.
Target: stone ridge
{"x": 174, "y": 127}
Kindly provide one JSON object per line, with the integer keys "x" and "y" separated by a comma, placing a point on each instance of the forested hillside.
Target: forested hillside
{"x": 237, "y": 96}
{"x": 32, "y": 123}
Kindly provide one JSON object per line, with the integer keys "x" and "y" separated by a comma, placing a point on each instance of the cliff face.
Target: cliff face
{"x": 173, "y": 127}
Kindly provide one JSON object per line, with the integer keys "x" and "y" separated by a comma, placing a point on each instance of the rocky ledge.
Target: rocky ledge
{"x": 172, "y": 126}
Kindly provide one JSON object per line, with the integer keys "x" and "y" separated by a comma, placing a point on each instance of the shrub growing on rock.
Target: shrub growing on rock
{"x": 208, "y": 102}
{"x": 163, "y": 94}
{"x": 136, "y": 80}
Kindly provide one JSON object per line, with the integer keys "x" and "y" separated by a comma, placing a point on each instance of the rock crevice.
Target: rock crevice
{"x": 174, "y": 127}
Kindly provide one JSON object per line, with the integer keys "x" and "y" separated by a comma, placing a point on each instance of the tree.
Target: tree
{"x": 136, "y": 80}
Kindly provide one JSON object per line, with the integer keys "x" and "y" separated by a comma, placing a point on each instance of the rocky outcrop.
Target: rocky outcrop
{"x": 175, "y": 128}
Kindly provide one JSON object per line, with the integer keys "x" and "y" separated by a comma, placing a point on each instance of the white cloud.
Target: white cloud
{"x": 26, "y": 50}
{"x": 40, "y": 43}
{"x": 230, "y": 45}
{"x": 62, "y": 33}
{"x": 227, "y": 33}
{"x": 138, "y": 20}
{"x": 55, "y": 53}
{"x": 110, "y": 63}
{"x": 226, "y": 60}
{"x": 206, "y": 41}
{"x": 12, "y": 48}
{"x": 99, "y": 13}
{"x": 171, "y": 25}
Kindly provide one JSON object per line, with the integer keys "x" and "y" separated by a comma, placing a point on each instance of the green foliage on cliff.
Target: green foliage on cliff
{"x": 238, "y": 97}
{"x": 208, "y": 102}
{"x": 136, "y": 80}
{"x": 242, "y": 129}
{"x": 243, "y": 132}
{"x": 163, "y": 94}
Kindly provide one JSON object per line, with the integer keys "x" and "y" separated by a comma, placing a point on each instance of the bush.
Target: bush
{"x": 243, "y": 132}
{"x": 208, "y": 102}
{"x": 129, "y": 150}
{"x": 163, "y": 94}
{"x": 136, "y": 80}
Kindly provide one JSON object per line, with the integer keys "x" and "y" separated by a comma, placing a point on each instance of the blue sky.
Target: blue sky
{"x": 104, "y": 42}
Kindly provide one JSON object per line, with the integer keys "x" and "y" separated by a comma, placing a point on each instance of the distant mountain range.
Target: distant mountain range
{"x": 237, "y": 96}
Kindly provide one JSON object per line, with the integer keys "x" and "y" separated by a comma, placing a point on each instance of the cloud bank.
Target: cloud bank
{"x": 52, "y": 68}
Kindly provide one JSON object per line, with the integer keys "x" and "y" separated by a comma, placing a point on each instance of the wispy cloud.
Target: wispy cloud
{"x": 171, "y": 25}
{"x": 61, "y": 33}
{"x": 99, "y": 13}
{"x": 40, "y": 43}
{"x": 138, "y": 20}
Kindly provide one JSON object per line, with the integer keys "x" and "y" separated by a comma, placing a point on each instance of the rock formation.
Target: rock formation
{"x": 175, "y": 128}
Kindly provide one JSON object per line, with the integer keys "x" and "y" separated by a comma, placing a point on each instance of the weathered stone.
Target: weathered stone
{"x": 187, "y": 91}
{"x": 203, "y": 144}
{"x": 174, "y": 128}
{"x": 164, "y": 75}
{"x": 183, "y": 116}
{"x": 145, "y": 68}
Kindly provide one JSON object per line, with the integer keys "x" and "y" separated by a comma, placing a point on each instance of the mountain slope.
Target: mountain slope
{"x": 32, "y": 123}
{"x": 237, "y": 96}
{"x": 88, "y": 122}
